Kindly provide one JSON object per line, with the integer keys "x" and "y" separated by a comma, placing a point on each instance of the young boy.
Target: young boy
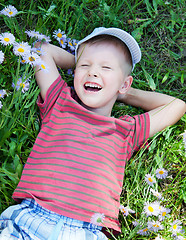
{"x": 75, "y": 171}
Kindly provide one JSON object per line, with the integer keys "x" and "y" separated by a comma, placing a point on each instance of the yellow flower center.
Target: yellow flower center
{"x": 161, "y": 172}
{"x": 150, "y": 179}
{"x": 151, "y": 209}
{"x": 6, "y": 39}
{"x": 20, "y": 50}
{"x": 145, "y": 229}
{"x": 32, "y": 59}
{"x": 10, "y": 12}
{"x": 22, "y": 85}
{"x": 155, "y": 225}
{"x": 175, "y": 226}
{"x": 0, "y": 95}
{"x": 70, "y": 43}
{"x": 59, "y": 35}
{"x": 163, "y": 214}
{"x": 23, "y": 61}
{"x": 61, "y": 41}
{"x": 43, "y": 66}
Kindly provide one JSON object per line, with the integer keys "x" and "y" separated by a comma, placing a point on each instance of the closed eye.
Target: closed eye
{"x": 106, "y": 67}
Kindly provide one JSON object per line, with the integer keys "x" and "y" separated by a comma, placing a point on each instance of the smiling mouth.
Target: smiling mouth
{"x": 92, "y": 87}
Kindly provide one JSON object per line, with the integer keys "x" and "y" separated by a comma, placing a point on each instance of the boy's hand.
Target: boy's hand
{"x": 54, "y": 56}
{"x": 163, "y": 109}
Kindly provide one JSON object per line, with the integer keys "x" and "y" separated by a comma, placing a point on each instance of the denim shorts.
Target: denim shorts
{"x": 30, "y": 221}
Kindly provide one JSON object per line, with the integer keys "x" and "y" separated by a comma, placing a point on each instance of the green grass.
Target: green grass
{"x": 158, "y": 26}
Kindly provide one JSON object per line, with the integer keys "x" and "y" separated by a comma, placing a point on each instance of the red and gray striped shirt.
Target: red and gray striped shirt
{"x": 77, "y": 163}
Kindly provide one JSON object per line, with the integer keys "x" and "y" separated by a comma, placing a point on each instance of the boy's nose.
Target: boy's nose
{"x": 93, "y": 72}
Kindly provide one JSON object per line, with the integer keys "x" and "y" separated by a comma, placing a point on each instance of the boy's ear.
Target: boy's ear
{"x": 126, "y": 85}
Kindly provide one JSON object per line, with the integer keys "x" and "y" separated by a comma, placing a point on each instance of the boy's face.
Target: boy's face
{"x": 100, "y": 75}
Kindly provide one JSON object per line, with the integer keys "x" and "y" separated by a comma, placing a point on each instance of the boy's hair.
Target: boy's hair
{"x": 115, "y": 41}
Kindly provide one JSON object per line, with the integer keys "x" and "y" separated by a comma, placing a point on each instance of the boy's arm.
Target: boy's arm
{"x": 54, "y": 56}
{"x": 163, "y": 109}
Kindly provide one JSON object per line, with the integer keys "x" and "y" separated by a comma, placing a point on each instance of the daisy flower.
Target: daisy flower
{"x": 2, "y": 93}
{"x": 43, "y": 66}
{"x": 143, "y": 232}
{"x": 70, "y": 44}
{"x": 39, "y": 51}
{"x": 135, "y": 223}
{"x": 97, "y": 218}
{"x": 152, "y": 209}
{"x": 32, "y": 58}
{"x": 9, "y": 11}
{"x": 156, "y": 194}
{"x": 37, "y": 35}
{"x": 7, "y": 38}
{"x": 58, "y": 34}
{"x": 63, "y": 42}
{"x": 44, "y": 37}
{"x": 175, "y": 227}
{"x": 20, "y": 49}
{"x": 126, "y": 210}
{"x": 149, "y": 179}
{"x": 180, "y": 238}
{"x": 22, "y": 84}
{"x": 1, "y": 105}
{"x": 32, "y": 33}
{"x": 161, "y": 173}
{"x": 154, "y": 226}
{"x": 75, "y": 42}
{"x": 1, "y": 57}
{"x": 164, "y": 213}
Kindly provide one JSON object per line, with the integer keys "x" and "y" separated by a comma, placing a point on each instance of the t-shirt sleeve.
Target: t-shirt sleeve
{"x": 140, "y": 129}
{"x": 51, "y": 96}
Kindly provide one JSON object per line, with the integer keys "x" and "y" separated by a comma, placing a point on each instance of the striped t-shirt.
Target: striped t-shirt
{"x": 77, "y": 163}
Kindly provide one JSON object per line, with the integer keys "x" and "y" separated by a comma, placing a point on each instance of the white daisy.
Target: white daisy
{"x": 20, "y": 49}
{"x": 164, "y": 213}
{"x": 175, "y": 227}
{"x": 1, "y": 57}
{"x": 32, "y": 33}
{"x": 39, "y": 51}
{"x": 126, "y": 210}
{"x": 22, "y": 84}
{"x": 149, "y": 179}
{"x": 143, "y": 232}
{"x": 2, "y": 93}
{"x": 44, "y": 37}
{"x": 180, "y": 237}
{"x": 63, "y": 42}
{"x": 58, "y": 34}
{"x": 154, "y": 226}
{"x": 7, "y": 38}
{"x": 1, "y": 105}
{"x": 156, "y": 194}
{"x": 152, "y": 209}
{"x": 135, "y": 223}
{"x": 32, "y": 58}
{"x": 161, "y": 173}
{"x": 97, "y": 218}
{"x": 70, "y": 44}
{"x": 43, "y": 67}
{"x": 9, "y": 11}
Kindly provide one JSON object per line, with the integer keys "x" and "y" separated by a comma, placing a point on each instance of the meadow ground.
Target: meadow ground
{"x": 158, "y": 27}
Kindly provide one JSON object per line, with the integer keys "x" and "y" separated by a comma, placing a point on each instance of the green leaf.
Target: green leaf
{"x": 149, "y": 79}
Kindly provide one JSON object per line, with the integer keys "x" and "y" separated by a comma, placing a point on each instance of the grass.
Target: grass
{"x": 158, "y": 26}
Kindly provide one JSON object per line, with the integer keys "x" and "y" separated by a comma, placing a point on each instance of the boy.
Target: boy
{"x": 76, "y": 167}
